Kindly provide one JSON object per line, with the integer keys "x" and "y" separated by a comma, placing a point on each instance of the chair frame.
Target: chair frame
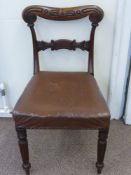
{"x": 63, "y": 14}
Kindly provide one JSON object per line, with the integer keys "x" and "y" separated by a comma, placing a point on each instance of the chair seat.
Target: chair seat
{"x": 73, "y": 98}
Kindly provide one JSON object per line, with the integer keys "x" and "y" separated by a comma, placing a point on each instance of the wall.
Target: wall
{"x": 120, "y": 60}
{"x": 16, "y": 49}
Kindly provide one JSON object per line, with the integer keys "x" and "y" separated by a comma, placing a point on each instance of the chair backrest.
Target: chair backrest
{"x": 95, "y": 14}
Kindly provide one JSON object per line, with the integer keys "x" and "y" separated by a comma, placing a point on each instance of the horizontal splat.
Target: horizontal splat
{"x": 62, "y": 44}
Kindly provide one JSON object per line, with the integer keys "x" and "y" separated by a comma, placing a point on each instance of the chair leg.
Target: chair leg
{"x": 101, "y": 148}
{"x": 23, "y": 145}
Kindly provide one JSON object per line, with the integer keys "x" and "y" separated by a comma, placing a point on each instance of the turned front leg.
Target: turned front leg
{"x": 101, "y": 148}
{"x": 23, "y": 145}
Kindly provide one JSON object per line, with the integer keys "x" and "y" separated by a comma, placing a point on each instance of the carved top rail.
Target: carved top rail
{"x": 95, "y": 13}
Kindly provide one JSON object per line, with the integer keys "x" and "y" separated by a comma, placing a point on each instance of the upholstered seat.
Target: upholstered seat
{"x": 52, "y": 95}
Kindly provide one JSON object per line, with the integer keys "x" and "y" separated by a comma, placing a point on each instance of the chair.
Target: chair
{"x": 62, "y": 100}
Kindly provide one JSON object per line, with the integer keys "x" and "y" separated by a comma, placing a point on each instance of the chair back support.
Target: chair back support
{"x": 95, "y": 14}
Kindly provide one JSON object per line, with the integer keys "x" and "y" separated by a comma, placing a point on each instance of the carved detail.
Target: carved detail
{"x": 63, "y": 44}
{"x": 102, "y": 142}
{"x": 22, "y": 136}
{"x": 23, "y": 145}
{"x": 95, "y": 13}
{"x": 103, "y": 134}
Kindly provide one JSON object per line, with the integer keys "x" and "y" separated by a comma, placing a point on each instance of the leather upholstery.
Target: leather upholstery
{"x": 62, "y": 100}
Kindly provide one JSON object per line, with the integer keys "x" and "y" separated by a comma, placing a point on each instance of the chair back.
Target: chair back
{"x": 95, "y": 14}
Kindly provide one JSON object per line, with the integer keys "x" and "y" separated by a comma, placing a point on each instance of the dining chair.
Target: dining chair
{"x": 62, "y": 100}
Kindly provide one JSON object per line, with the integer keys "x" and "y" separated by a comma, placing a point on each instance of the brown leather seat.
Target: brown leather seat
{"x": 67, "y": 96}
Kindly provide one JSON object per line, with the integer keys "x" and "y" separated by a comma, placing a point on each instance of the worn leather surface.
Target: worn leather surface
{"x": 61, "y": 100}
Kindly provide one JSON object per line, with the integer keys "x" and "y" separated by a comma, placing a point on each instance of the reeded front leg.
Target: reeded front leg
{"x": 23, "y": 145}
{"x": 101, "y": 148}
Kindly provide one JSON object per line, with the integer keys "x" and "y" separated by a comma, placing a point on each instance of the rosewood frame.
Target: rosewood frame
{"x": 63, "y": 14}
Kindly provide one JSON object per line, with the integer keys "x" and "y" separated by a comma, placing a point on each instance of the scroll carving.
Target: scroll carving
{"x": 22, "y": 136}
{"x": 63, "y": 44}
{"x": 95, "y": 13}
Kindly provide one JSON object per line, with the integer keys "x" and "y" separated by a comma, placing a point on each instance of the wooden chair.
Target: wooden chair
{"x": 62, "y": 100}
